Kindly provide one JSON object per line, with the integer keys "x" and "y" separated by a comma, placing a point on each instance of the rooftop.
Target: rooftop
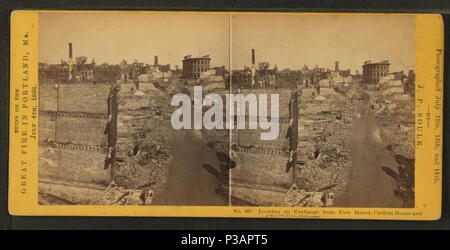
{"x": 370, "y": 62}
{"x": 189, "y": 57}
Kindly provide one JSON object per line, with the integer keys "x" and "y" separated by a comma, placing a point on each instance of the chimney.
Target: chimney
{"x": 156, "y": 61}
{"x": 70, "y": 61}
{"x": 336, "y": 67}
{"x": 253, "y": 56}
{"x": 70, "y": 50}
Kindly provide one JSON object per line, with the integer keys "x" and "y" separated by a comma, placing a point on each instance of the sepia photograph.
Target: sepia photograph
{"x": 106, "y": 81}
{"x": 346, "y": 88}
{"x": 218, "y": 109}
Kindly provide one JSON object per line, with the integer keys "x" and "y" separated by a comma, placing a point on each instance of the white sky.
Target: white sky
{"x": 295, "y": 40}
{"x": 111, "y": 37}
{"x": 290, "y": 41}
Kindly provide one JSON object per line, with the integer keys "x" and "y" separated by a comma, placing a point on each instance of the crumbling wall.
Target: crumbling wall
{"x": 260, "y": 177}
{"x": 74, "y": 139}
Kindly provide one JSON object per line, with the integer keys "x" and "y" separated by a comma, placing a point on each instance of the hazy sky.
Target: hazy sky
{"x": 111, "y": 37}
{"x": 290, "y": 41}
{"x": 295, "y": 40}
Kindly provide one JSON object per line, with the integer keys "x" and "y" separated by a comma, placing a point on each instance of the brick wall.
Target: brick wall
{"x": 81, "y": 130}
{"x": 83, "y": 97}
{"x": 284, "y": 97}
{"x": 260, "y": 170}
{"x": 47, "y": 96}
{"x": 72, "y": 140}
{"x": 252, "y": 138}
{"x": 79, "y": 165}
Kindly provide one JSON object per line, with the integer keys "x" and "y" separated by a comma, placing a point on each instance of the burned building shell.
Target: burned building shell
{"x": 372, "y": 72}
{"x": 193, "y": 67}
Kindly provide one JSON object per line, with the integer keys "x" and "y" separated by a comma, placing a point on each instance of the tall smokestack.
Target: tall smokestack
{"x": 70, "y": 61}
{"x": 156, "y": 61}
{"x": 253, "y": 56}
{"x": 336, "y": 66}
{"x": 70, "y": 50}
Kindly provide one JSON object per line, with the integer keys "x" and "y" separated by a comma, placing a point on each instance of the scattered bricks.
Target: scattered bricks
{"x": 297, "y": 197}
{"x": 144, "y": 125}
{"x": 257, "y": 195}
{"x": 326, "y": 161}
{"x": 116, "y": 195}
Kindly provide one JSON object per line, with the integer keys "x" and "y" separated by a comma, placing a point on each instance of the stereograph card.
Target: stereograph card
{"x": 223, "y": 114}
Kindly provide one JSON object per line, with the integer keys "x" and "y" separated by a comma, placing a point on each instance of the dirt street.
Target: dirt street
{"x": 368, "y": 185}
{"x": 188, "y": 182}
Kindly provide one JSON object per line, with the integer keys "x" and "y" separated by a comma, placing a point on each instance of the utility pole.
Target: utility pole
{"x": 293, "y": 135}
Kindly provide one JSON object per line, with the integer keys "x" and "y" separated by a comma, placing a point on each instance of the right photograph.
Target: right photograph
{"x": 336, "y": 111}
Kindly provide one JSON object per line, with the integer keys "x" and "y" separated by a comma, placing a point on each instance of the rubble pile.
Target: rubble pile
{"x": 298, "y": 197}
{"x": 142, "y": 149}
{"x": 324, "y": 158}
{"x": 117, "y": 195}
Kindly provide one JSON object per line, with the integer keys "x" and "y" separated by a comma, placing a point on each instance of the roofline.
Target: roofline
{"x": 376, "y": 63}
{"x": 196, "y": 58}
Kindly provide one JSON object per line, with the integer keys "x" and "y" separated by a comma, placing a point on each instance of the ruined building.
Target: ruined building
{"x": 373, "y": 72}
{"x": 265, "y": 169}
{"x": 159, "y": 67}
{"x": 194, "y": 67}
{"x": 77, "y": 70}
{"x": 77, "y": 137}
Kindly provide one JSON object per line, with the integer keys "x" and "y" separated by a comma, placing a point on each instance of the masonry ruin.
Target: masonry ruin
{"x": 260, "y": 175}
{"x": 77, "y": 137}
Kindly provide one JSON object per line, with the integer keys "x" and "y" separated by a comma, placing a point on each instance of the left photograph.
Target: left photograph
{"x": 106, "y": 88}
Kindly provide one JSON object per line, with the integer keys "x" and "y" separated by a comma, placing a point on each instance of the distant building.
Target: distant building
{"x": 242, "y": 78}
{"x": 345, "y": 73}
{"x": 56, "y": 72}
{"x": 317, "y": 75}
{"x": 164, "y": 68}
{"x": 77, "y": 70}
{"x": 193, "y": 67}
{"x": 373, "y": 72}
{"x": 159, "y": 67}
{"x": 136, "y": 69}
